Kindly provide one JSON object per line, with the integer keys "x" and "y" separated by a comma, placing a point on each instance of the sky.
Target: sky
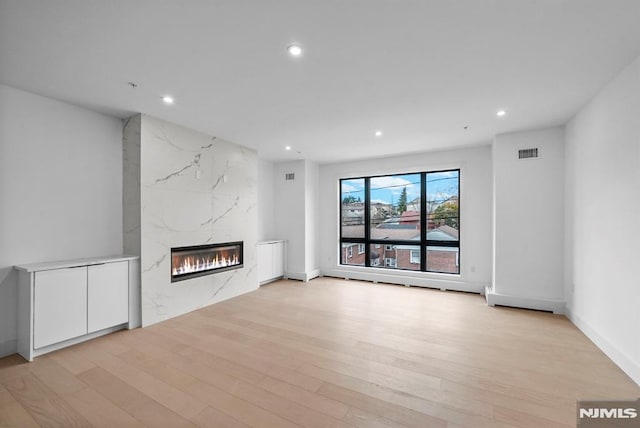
{"x": 385, "y": 189}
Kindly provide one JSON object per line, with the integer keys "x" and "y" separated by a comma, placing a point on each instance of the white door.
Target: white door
{"x": 60, "y": 305}
{"x": 108, "y": 295}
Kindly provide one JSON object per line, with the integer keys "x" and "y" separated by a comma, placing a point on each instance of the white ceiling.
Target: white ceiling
{"x": 420, "y": 70}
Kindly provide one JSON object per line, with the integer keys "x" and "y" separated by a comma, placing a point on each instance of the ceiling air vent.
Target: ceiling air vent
{"x": 289, "y": 176}
{"x": 527, "y": 153}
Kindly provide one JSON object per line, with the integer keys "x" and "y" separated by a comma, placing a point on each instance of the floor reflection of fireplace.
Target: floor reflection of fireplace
{"x": 200, "y": 260}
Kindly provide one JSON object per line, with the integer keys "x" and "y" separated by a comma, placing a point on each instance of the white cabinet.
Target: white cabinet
{"x": 107, "y": 295}
{"x": 270, "y": 260}
{"x": 59, "y": 305}
{"x": 277, "y": 259}
{"x": 63, "y": 303}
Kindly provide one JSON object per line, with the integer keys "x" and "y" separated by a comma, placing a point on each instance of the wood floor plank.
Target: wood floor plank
{"x": 56, "y": 377}
{"x": 99, "y": 411}
{"x": 242, "y": 410}
{"x": 301, "y": 415}
{"x": 12, "y": 367}
{"x": 301, "y": 396}
{"x": 12, "y": 413}
{"x": 68, "y": 359}
{"x": 131, "y": 400}
{"x": 211, "y": 417}
{"x": 361, "y": 419}
{"x": 44, "y": 405}
{"x": 158, "y": 390}
{"x": 401, "y": 415}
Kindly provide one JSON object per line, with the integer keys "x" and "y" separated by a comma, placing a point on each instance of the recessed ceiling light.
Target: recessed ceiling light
{"x": 167, "y": 99}
{"x": 378, "y": 133}
{"x": 501, "y": 113}
{"x": 294, "y": 50}
{"x": 288, "y": 148}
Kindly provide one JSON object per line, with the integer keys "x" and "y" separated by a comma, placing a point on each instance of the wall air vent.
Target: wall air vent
{"x": 289, "y": 176}
{"x": 527, "y": 153}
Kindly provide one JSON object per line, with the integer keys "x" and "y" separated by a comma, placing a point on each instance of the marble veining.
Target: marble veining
{"x": 195, "y": 162}
{"x": 157, "y": 263}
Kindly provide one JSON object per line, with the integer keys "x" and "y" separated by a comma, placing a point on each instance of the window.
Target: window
{"x": 352, "y": 208}
{"x": 415, "y": 216}
{"x": 348, "y": 257}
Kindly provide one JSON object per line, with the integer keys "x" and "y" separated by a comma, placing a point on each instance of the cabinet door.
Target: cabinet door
{"x": 278, "y": 259}
{"x": 265, "y": 262}
{"x": 60, "y": 305}
{"x": 108, "y": 295}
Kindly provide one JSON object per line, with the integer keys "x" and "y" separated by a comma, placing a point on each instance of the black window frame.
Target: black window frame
{"x": 422, "y": 243}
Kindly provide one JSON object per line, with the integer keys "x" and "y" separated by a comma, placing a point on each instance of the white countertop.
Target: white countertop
{"x": 34, "y": 267}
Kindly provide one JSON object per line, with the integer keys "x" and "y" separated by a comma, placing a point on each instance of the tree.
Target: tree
{"x": 350, "y": 199}
{"x": 447, "y": 213}
{"x": 402, "y": 202}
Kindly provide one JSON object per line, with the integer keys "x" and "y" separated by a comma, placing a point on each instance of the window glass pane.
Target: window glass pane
{"x": 352, "y": 210}
{"x": 350, "y": 254}
{"x": 395, "y": 207}
{"x": 443, "y": 259}
{"x": 443, "y": 214}
{"x": 395, "y": 256}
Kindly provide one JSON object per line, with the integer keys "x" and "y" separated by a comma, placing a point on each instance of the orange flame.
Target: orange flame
{"x": 199, "y": 263}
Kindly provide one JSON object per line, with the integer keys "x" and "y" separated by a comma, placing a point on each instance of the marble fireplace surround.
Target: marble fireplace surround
{"x": 184, "y": 188}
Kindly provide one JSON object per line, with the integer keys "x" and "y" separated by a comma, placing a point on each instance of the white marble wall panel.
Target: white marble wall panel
{"x": 131, "y": 185}
{"x": 195, "y": 189}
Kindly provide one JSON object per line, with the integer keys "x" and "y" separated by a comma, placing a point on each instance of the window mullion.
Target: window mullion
{"x": 367, "y": 221}
{"x": 423, "y": 222}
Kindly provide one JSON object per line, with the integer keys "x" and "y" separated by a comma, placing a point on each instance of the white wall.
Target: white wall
{"x": 475, "y": 216}
{"x": 603, "y": 220}
{"x": 296, "y": 203}
{"x": 290, "y": 214}
{"x": 312, "y": 204}
{"x": 266, "y": 201}
{"x": 60, "y": 189}
{"x": 194, "y": 189}
{"x": 529, "y": 220}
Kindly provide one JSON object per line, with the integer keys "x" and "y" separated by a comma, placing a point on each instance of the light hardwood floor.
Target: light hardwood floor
{"x": 323, "y": 354}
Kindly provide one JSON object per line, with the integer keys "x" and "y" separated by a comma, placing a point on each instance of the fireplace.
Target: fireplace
{"x": 200, "y": 260}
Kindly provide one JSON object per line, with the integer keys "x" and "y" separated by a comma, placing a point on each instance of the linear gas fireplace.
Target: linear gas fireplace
{"x": 200, "y": 260}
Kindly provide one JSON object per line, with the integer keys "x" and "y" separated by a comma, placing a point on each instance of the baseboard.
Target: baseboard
{"x": 303, "y": 276}
{"x": 493, "y": 299}
{"x": 409, "y": 279}
{"x": 9, "y": 347}
{"x": 621, "y": 359}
